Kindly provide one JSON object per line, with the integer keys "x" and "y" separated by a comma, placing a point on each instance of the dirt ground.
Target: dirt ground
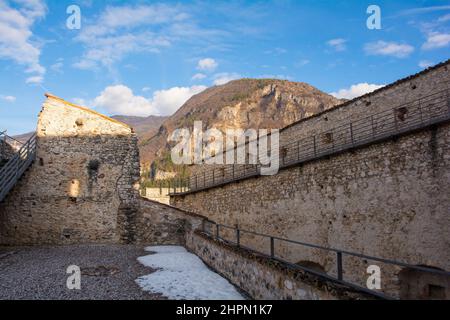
{"x": 108, "y": 272}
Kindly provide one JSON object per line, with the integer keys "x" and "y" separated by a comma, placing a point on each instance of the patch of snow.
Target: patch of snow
{"x": 182, "y": 275}
{"x": 165, "y": 249}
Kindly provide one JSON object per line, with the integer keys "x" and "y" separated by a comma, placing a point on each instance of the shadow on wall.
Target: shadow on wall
{"x": 312, "y": 266}
{"x": 416, "y": 284}
{"x": 6, "y": 152}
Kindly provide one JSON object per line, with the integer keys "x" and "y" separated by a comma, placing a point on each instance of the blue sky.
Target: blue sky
{"x": 148, "y": 57}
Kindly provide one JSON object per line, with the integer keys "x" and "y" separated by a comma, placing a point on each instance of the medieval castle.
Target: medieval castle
{"x": 362, "y": 185}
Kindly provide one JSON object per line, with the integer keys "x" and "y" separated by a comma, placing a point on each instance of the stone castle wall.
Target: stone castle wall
{"x": 157, "y": 194}
{"x": 259, "y": 277}
{"x": 262, "y": 278}
{"x": 387, "y": 199}
{"x": 162, "y": 224}
{"x": 82, "y": 186}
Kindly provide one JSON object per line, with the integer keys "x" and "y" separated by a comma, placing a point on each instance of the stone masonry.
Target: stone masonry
{"x": 388, "y": 199}
{"x": 259, "y": 277}
{"x": 82, "y": 187}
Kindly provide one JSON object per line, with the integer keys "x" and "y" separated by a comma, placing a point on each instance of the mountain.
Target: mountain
{"x": 145, "y": 127}
{"x": 244, "y": 103}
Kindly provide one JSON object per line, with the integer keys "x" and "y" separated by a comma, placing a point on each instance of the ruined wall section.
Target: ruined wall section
{"x": 82, "y": 186}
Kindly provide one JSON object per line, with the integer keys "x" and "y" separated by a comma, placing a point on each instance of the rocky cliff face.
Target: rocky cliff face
{"x": 245, "y": 103}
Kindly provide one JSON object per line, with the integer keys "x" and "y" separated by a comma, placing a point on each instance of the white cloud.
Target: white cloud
{"x": 384, "y": 48}
{"x": 15, "y": 34}
{"x": 85, "y": 64}
{"x": 170, "y": 100}
{"x": 425, "y": 64}
{"x": 120, "y": 100}
{"x": 57, "y": 67}
{"x": 198, "y": 76}
{"x": 276, "y": 51}
{"x": 436, "y": 40}
{"x": 337, "y": 44}
{"x": 275, "y": 76}
{"x": 8, "y": 98}
{"x": 207, "y": 64}
{"x": 425, "y": 10}
{"x": 122, "y": 30}
{"x": 444, "y": 18}
{"x": 128, "y": 16}
{"x": 302, "y": 63}
{"x": 356, "y": 90}
{"x": 107, "y": 50}
{"x": 225, "y": 77}
{"x": 146, "y": 89}
{"x": 119, "y": 31}
{"x": 34, "y": 80}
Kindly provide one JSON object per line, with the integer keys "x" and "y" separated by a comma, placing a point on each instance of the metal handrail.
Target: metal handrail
{"x": 339, "y": 255}
{"x": 404, "y": 118}
{"x": 11, "y": 172}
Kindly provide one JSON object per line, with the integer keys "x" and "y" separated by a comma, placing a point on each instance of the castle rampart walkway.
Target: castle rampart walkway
{"x": 402, "y": 119}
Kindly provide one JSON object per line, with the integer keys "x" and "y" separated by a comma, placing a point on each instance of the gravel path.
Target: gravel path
{"x": 107, "y": 272}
